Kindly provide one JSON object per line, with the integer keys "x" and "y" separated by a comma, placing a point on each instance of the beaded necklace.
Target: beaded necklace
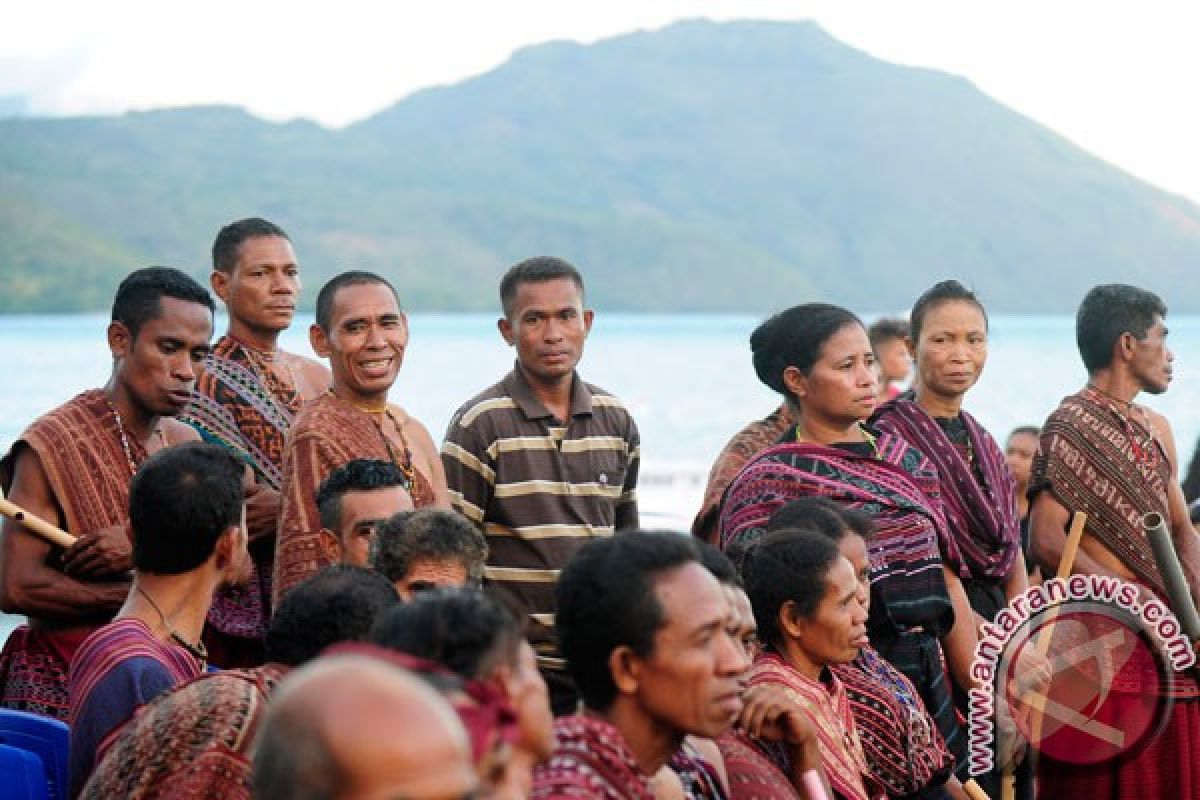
{"x": 1140, "y": 444}
{"x": 868, "y": 438}
{"x": 376, "y": 415}
{"x": 123, "y": 433}
{"x": 198, "y": 650}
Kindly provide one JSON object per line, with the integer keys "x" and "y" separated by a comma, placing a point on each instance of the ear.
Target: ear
{"x": 504, "y": 677}
{"x": 330, "y": 545}
{"x": 1126, "y": 346}
{"x": 795, "y": 382}
{"x": 506, "y": 331}
{"x": 228, "y": 543}
{"x": 120, "y": 340}
{"x": 219, "y": 282}
{"x": 588, "y": 316}
{"x": 911, "y": 346}
{"x": 319, "y": 341}
{"x": 791, "y": 624}
{"x": 625, "y": 668}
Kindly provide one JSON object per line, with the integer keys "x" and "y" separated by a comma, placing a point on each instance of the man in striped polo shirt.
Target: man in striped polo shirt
{"x": 542, "y": 461}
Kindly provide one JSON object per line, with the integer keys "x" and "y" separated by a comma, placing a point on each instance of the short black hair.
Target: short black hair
{"x": 355, "y": 277}
{"x": 538, "y": 269}
{"x": 887, "y": 329}
{"x": 466, "y": 630}
{"x": 785, "y": 565}
{"x": 357, "y": 475}
{"x": 606, "y": 599}
{"x": 338, "y": 604}
{"x": 182, "y": 499}
{"x": 794, "y": 338}
{"x": 230, "y": 238}
{"x": 1029, "y": 430}
{"x": 938, "y": 294}
{"x": 139, "y": 297}
{"x": 815, "y": 513}
{"x": 718, "y": 564}
{"x": 432, "y": 534}
{"x": 1109, "y": 310}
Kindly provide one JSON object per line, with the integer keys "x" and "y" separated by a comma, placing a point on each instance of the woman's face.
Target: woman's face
{"x": 854, "y": 548}
{"x": 841, "y": 387}
{"x": 1019, "y": 453}
{"x": 951, "y": 349}
{"x": 837, "y": 630}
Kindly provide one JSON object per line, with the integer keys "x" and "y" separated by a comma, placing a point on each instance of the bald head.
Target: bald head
{"x": 355, "y": 728}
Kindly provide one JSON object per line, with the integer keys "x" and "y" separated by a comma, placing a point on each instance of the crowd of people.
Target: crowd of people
{"x": 278, "y": 585}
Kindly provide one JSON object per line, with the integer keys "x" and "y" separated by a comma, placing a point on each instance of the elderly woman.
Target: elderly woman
{"x": 905, "y": 754}
{"x": 806, "y": 600}
{"x": 819, "y": 356}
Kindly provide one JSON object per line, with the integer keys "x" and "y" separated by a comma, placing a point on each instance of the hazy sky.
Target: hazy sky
{"x": 1117, "y": 78}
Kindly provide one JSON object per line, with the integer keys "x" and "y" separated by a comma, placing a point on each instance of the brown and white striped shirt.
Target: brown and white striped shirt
{"x": 538, "y": 488}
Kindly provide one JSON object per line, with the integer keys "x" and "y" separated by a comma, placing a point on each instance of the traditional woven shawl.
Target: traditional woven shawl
{"x": 898, "y": 488}
{"x": 745, "y": 445}
{"x": 193, "y": 741}
{"x": 327, "y": 434}
{"x": 1097, "y": 459}
{"x": 904, "y": 751}
{"x": 828, "y": 709}
{"x": 982, "y": 518}
{"x": 591, "y": 760}
{"x": 232, "y": 407}
{"x": 80, "y": 450}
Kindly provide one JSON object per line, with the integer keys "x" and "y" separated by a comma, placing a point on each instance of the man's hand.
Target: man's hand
{"x": 770, "y": 713}
{"x": 262, "y": 511}
{"x": 101, "y": 553}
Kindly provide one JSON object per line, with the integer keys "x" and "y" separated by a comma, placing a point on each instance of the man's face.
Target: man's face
{"x": 158, "y": 367}
{"x": 743, "y": 626}
{"x": 428, "y": 573}
{"x": 692, "y": 681}
{"x": 531, "y": 700}
{"x": 362, "y": 511}
{"x": 365, "y": 343}
{"x": 1019, "y": 453}
{"x": 548, "y": 326}
{"x": 894, "y": 361}
{"x": 261, "y": 290}
{"x": 1152, "y": 359}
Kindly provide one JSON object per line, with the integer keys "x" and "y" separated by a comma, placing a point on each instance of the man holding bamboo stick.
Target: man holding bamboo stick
{"x": 1114, "y": 460}
{"x": 72, "y": 468}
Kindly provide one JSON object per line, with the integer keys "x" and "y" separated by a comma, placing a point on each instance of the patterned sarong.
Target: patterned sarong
{"x": 80, "y": 450}
{"x": 1097, "y": 458}
{"x": 591, "y": 760}
{"x": 745, "y": 445}
{"x": 193, "y": 741}
{"x": 904, "y": 750}
{"x": 828, "y": 708}
{"x": 981, "y": 516}
{"x": 238, "y": 405}
{"x": 327, "y": 434}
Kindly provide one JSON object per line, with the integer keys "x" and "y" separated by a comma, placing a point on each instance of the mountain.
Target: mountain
{"x": 738, "y": 166}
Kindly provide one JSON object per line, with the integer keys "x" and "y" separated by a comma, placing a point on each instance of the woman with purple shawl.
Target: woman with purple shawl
{"x": 819, "y": 357}
{"x": 978, "y": 492}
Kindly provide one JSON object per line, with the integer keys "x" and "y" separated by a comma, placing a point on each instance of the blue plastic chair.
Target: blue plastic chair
{"x": 46, "y": 738}
{"x": 22, "y": 776}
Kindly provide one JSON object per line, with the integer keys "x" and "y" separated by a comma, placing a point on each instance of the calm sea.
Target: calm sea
{"x": 686, "y": 378}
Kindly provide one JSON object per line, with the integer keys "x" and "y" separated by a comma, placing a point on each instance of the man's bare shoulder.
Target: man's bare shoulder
{"x": 175, "y": 431}
{"x": 313, "y": 376}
